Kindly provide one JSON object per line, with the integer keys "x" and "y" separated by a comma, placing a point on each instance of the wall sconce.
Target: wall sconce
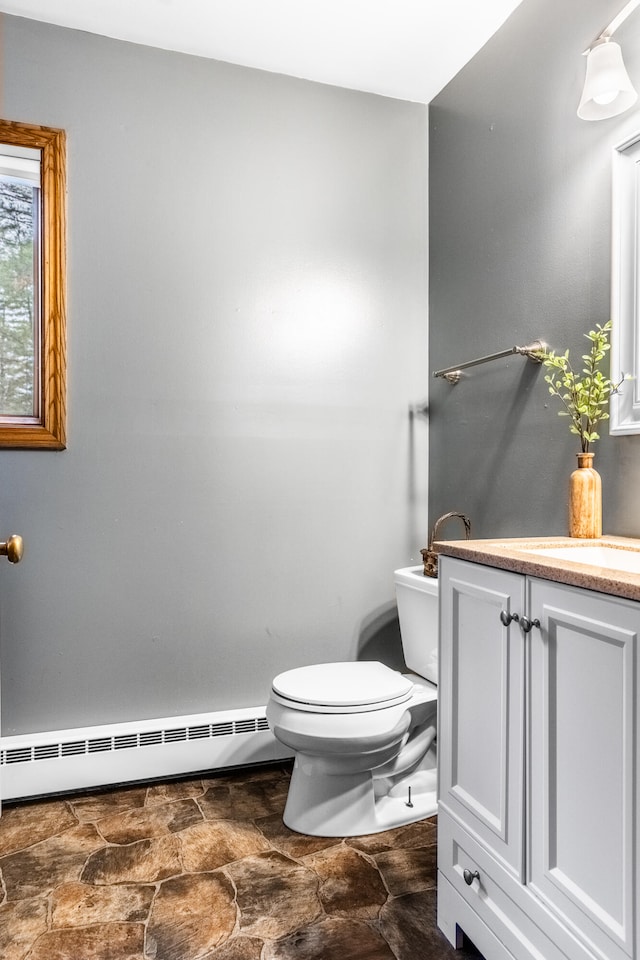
{"x": 608, "y": 90}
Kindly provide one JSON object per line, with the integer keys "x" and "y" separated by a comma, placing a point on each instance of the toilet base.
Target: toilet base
{"x": 324, "y": 804}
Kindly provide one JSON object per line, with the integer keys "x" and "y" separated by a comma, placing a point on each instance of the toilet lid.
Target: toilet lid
{"x": 366, "y": 682}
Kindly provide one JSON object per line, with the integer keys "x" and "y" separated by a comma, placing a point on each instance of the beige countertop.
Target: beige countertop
{"x": 510, "y": 554}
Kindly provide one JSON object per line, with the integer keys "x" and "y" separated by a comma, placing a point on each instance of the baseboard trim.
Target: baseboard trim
{"x": 62, "y": 761}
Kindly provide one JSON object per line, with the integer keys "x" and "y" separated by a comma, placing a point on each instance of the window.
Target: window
{"x": 32, "y": 286}
{"x": 19, "y": 280}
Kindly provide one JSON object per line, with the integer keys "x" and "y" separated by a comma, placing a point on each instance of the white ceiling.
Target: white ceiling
{"x": 408, "y": 49}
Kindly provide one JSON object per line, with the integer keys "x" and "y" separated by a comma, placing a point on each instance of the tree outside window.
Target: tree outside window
{"x": 19, "y": 289}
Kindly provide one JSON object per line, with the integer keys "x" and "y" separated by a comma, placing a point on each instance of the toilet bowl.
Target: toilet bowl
{"x": 364, "y": 735}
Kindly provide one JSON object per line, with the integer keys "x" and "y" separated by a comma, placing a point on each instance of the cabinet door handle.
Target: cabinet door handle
{"x": 527, "y": 624}
{"x": 508, "y": 617}
{"x": 469, "y": 877}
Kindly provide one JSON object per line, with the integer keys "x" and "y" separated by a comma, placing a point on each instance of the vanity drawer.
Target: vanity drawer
{"x": 500, "y": 902}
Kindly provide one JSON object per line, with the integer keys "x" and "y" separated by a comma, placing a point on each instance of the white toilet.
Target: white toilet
{"x": 363, "y": 734}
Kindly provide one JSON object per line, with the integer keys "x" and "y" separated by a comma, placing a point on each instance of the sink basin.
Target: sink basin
{"x": 598, "y": 555}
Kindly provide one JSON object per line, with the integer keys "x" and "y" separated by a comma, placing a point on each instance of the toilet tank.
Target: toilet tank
{"x": 417, "y": 598}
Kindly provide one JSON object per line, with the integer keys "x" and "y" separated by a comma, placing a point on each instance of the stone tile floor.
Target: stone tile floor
{"x": 204, "y": 869}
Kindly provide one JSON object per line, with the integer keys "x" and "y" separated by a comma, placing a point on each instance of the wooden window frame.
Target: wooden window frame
{"x": 47, "y": 430}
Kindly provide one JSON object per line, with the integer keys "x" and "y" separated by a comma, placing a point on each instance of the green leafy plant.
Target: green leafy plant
{"x": 584, "y": 396}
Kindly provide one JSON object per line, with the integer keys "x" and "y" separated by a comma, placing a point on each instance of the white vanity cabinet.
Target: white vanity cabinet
{"x": 538, "y": 767}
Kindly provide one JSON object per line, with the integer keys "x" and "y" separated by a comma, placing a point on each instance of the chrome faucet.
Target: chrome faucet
{"x": 429, "y": 556}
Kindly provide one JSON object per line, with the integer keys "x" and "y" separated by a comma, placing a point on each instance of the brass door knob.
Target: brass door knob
{"x": 12, "y": 549}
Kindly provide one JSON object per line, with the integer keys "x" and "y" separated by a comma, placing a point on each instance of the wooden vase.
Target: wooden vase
{"x": 585, "y": 499}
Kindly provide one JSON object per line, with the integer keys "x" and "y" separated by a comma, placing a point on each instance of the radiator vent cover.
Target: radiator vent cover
{"x": 61, "y": 761}
{"x": 146, "y": 738}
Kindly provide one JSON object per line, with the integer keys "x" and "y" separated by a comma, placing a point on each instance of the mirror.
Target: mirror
{"x": 625, "y": 286}
{"x": 32, "y": 286}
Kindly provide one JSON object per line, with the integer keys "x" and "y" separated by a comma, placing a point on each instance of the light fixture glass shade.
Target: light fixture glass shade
{"x": 608, "y": 90}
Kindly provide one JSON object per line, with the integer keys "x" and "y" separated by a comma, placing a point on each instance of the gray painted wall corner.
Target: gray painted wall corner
{"x": 520, "y": 248}
{"x": 247, "y": 336}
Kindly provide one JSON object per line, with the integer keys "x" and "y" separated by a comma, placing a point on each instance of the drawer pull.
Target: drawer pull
{"x": 469, "y": 877}
{"x": 508, "y": 617}
{"x": 528, "y": 624}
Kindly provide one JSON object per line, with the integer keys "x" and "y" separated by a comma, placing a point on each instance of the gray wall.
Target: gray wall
{"x": 520, "y": 226}
{"x": 247, "y": 336}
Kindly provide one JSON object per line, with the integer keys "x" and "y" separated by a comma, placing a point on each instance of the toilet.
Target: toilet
{"x": 364, "y": 735}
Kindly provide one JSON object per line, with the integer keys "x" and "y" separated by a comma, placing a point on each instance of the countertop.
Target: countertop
{"x": 507, "y": 554}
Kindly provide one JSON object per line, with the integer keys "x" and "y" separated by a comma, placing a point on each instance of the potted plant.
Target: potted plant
{"x": 584, "y": 397}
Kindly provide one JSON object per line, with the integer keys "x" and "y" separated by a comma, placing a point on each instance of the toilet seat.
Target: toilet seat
{"x": 342, "y": 687}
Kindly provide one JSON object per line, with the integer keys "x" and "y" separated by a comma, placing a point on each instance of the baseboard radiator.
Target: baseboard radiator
{"x": 62, "y": 761}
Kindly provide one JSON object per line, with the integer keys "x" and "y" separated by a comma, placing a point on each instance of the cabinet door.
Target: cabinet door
{"x": 481, "y": 720}
{"x": 582, "y": 696}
